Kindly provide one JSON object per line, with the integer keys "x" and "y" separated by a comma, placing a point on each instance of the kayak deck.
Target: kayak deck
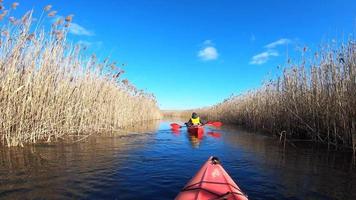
{"x": 196, "y": 129}
{"x": 211, "y": 182}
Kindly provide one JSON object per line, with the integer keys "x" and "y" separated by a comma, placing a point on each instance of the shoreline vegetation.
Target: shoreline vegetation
{"x": 50, "y": 90}
{"x": 313, "y": 100}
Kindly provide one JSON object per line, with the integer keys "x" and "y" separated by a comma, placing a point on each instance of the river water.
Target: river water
{"x": 155, "y": 163}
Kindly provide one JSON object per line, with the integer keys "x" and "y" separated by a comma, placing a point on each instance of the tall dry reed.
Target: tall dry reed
{"x": 49, "y": 89}
{"x": 314, "y": 101}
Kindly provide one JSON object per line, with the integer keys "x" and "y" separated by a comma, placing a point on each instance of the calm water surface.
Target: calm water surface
{"x": 157, "y": 163}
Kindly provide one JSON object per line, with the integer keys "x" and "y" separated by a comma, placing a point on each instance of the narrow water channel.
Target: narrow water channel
{"x": 156, "y": 163}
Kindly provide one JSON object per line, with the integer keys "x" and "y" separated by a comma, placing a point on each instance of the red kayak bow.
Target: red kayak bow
{"x": 211, "y": 182}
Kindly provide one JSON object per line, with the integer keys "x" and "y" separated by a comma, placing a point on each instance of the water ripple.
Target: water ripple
{"x": 157, "y": 165}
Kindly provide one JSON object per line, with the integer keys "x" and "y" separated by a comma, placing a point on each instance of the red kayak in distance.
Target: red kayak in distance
{"x": 196, "y": 129}
{"x": 211, "y": 182}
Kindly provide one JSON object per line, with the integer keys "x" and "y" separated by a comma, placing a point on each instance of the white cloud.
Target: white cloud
{"x": 263, "y": 57}
{"x": 208, "y": 53}
{"x": 76, "y": 29}
{"x": 281, "y": 41}
{"x": 89, "y": 44}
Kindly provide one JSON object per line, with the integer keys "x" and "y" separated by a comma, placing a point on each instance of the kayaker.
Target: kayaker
{"x": 194, "y": 120}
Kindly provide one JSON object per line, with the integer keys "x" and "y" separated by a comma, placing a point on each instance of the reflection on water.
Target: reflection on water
{"x": 176, "y": 131}
{"x": 157, "y": 162}
{"x": 307, "y": 172}
{"x": 214, "y": 134}
{"x": 195, "y": 140}
{"x": 67, "y": 170}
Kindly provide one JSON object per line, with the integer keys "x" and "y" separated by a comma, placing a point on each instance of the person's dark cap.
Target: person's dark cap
{"x": 194, "y": 115}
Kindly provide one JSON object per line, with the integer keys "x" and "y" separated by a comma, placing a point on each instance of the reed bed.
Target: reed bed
{"x": 182, "y": 114}
{"x": 50, "y": 89}
{"x": 314, "y": 100}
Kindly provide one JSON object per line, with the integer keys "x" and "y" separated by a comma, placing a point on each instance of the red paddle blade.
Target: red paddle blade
{"x": 214, "y": 134}
{"x": 216, "y": 124}
{"x": 175, "y": 126}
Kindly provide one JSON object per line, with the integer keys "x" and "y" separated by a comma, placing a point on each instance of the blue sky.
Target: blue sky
{"x": 197, "y": 53}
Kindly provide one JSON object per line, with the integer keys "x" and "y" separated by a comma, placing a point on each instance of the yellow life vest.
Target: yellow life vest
{"x": 195, "y": 121}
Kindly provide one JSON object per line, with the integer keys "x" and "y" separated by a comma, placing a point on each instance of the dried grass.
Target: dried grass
{"x": 49, "y": 90}
{"x": 311, "y": 102}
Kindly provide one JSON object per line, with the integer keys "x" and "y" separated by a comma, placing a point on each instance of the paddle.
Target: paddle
{"x": 176, "y": 126}
{"x": 216, "y": 124}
